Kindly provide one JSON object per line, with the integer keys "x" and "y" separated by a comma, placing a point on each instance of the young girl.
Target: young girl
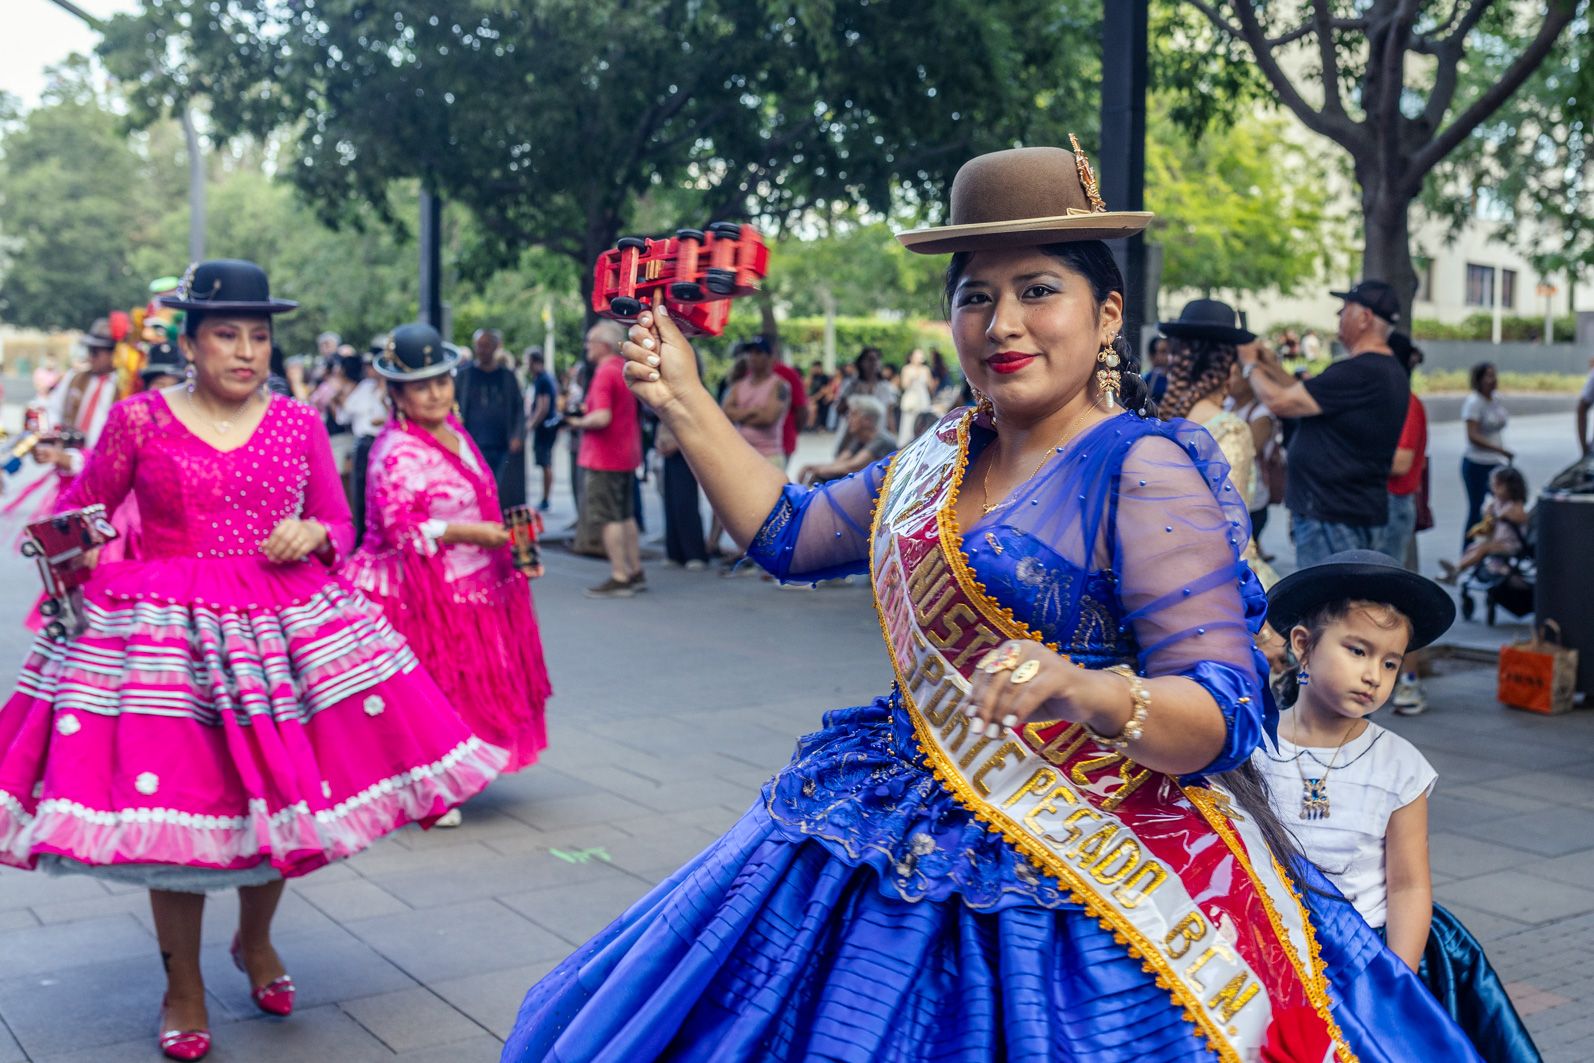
{"x": 1356, "y": 795}
{"x": 1501, "y": 532}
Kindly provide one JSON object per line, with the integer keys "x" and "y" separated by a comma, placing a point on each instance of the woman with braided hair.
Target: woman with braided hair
{"x": 1204, "y": 341}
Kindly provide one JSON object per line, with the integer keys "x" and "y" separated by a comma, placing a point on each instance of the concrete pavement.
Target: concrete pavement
{"x": 671, "y": 709}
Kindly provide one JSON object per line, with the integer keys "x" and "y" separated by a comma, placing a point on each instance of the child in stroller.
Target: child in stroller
{"x": 1502, "y": 550}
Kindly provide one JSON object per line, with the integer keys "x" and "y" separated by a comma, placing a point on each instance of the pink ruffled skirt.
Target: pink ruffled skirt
{"x": 224, "y": 715}
{"x": 476, "y": 636}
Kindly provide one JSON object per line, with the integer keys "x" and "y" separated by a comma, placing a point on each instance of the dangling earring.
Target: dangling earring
{"x": 983, "y": 406}
{"x": 1109, "y": 381}
{"x": 457, "y": 414}
{"x": 188, "y": 378}
{"x": 1303, "y": 677}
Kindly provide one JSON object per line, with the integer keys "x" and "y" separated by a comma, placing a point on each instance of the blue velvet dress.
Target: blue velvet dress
{"x": 858, "y": 913}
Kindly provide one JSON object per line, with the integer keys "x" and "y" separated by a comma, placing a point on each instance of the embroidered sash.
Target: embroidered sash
{"x": 1168, "y": 869}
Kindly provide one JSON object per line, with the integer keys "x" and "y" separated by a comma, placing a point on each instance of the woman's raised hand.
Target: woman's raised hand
{"x": 660, "y": 365}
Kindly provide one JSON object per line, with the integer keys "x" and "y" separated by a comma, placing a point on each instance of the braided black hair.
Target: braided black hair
{"x": 1092, "y": 260}
{"x": 1197, "y": 369}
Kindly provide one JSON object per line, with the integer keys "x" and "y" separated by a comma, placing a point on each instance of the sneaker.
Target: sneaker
{"x": 639, "y": 582}
{"x": 696, "y": 565}
{"x": 611, "y": 588}
{"x": 452, "y": 818}
{"x": 544, "y": 505}
{"x": 1409, "y": 699}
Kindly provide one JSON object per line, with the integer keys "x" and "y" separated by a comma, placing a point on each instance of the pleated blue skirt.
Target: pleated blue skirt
{"x": 772, "y": 948}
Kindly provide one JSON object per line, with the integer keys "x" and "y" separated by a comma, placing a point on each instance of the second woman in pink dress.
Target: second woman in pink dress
{"x": 435, "y": 554}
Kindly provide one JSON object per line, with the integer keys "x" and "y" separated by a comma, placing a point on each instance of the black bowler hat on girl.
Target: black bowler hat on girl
{"x": 229, "y": 285}
{"x": 415, "y": 352}
{"x": 1207, "y": 319}
{"x": 1362, "y": 576}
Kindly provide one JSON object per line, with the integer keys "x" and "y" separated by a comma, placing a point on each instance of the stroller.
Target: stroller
{"x": 1505, "y": 581}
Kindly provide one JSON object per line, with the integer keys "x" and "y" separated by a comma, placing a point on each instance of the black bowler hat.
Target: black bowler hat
{"x": 1363, "y": 576}
{"x": 1207, "y": 319}
{"x": 98, "y": 337}
{"x": 226, "y": 284}
{"x": 1377, "y": 296}
{"x": 415, "y": 352}
{"x": 163, "y": 360}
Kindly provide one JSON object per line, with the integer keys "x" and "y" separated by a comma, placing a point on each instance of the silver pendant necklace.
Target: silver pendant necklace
{"x": 222, "y": 427}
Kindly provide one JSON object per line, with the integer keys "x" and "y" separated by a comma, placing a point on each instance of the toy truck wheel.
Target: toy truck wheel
{"x": 727, "y": 230}
{"x": 721, "y": 281}
{"x": 49, "y": 607}
{"x": 30, "y": 549}
{"x": 689, "y": 234}
{"x": 625, "y": 306}
{"x": 630, "y": 243}
{"x": 55, "y": 629}
{"x": 687, "y": 291}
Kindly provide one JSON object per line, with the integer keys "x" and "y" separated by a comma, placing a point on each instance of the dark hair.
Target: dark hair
{"x": 1511, "y": 478}
{"x": 863, "y": 356}
{"x": 1151, "y": 345}
{"x": 1093, "y": 261}
{"x": 1407, "y": 353}
{"x": 193, "y": 318}
{"x": 1476, "y": 376}
{"x": 1198, "y": 368}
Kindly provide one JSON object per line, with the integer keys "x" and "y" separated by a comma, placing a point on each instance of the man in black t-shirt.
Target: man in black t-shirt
{"x": 493, "y": 409}
{"x": 1350, "y": 416}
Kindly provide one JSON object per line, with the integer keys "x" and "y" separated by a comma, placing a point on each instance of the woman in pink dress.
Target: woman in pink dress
{"x": 435, "y": 554}
{"x": 231, "y": 714}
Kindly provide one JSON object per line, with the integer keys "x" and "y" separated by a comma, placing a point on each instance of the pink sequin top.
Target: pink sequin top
{"x": 200, "y": 502}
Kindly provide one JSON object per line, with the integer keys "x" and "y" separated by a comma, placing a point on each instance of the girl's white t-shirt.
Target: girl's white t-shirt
{"x": 1375, "y": 774}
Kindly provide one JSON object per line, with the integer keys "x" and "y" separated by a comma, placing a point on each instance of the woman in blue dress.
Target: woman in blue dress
{"x": 1045, "y": 843}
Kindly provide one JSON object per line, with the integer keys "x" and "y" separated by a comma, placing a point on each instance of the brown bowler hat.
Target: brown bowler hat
{"x": 1025, "y": 197}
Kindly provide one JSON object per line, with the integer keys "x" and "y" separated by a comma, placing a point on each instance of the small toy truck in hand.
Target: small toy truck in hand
{"x": 63, "y": 546}
{"x": 695, "y": 273}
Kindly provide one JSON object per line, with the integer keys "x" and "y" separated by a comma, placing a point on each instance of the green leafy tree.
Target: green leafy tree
{"x": 1237, "y": 209}
{"x": 1399, "y": 85}
{"x": 76, "y": 198}
{"x": 551, "y": 120}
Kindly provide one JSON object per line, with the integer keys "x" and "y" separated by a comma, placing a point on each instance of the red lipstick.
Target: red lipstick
{"x": 1009, "y": 361}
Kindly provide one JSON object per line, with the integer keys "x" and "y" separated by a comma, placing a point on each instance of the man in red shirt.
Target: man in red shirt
{"x": 610, "y": 454}
{"x": 797, "y": 412}
{"x": 1405, "y": 496}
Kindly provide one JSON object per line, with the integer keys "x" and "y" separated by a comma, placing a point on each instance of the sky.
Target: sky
{"x": 35, "y": 34}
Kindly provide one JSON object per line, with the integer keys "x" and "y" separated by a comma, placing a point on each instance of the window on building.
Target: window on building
{"x": 1424, "y": 267}
{"x": 1480, "y": 285}
{"x": 1508, "y": 289}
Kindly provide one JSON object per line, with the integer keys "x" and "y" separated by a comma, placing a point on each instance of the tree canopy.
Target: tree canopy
{"x": 1399, "y": 85}
{"x": 551, "y": 119}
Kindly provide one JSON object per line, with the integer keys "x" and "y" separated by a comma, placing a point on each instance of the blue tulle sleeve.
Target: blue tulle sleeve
{"x": 1177, "y": 529}
{"x": 816, "y": 533}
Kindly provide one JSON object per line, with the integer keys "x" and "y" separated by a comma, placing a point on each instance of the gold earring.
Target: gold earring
{"x": 983, "y": 407}
{"x": 1109, "y": 381}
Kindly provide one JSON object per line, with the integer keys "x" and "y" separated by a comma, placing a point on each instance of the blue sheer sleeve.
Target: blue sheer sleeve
{"x": 1177, "y": 529}
{"x": 816, "y": 533}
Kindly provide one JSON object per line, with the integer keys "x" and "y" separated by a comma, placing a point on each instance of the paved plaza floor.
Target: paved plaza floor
{"x": 670, "y": 710}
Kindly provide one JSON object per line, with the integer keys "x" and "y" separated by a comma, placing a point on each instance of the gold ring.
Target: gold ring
{"x": 1025, "y": 672}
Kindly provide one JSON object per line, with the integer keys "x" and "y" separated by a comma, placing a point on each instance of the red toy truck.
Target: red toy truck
{"x": 61, "y": 545}
{"x": 696, "y": 273}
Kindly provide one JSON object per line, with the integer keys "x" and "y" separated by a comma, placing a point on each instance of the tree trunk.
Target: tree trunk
{"x": 1386, "y": 217}
{"x": 601, "y": 233}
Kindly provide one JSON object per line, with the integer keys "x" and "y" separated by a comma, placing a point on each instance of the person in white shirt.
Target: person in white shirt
{"x": 1486, "y": 418}
{"x": 1356, "y": 794}
{"x": 364, "y": 411}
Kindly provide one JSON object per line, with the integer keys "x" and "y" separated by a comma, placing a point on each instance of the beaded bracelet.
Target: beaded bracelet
{"x": 1141, "y": 697}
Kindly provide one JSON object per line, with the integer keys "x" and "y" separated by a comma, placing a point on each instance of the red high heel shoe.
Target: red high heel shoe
{"x": 181, "y": 1044}
{"x": 273, "y": 998}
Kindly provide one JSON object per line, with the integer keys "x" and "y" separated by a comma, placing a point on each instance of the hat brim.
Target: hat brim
{"x": 389, "y": 369}
{"x": 99, "y": 343}
{"x": 1025, "y": 232}
{"x": 1220, "y": 333}
{"x": 161, "y": 369}
{"x": 1427, "y": 605}
{"x": 1349, "y": 298}
{"x": 268, "y": 307}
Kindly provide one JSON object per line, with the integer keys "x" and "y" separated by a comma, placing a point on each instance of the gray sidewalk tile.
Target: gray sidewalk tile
{"x": 40, "y": 950}
{"x": 1518, "y": 895}
{"x": 495, "y": 876}
{"x": 1575, "y": 869}
{"x": 455, "y": 941}
{"x": 1462, "y": 857}
{"x": 24, "y": 889}
{"x": 71, "y": 1010}
{"x": 10, "y": 1051}
{"x": 20, "y": 919}
{"x": 483, "y": 1049}
{"x": 493, "y": 999}
{"x": 1550, "y": 832}
{"x": 344, "y": 902}
{"x": 412, "y": 1019}
{"x": 577, "y": 915}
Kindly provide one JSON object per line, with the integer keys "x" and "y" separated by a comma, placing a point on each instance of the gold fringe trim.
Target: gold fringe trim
{"x": 1314, "y": 980}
